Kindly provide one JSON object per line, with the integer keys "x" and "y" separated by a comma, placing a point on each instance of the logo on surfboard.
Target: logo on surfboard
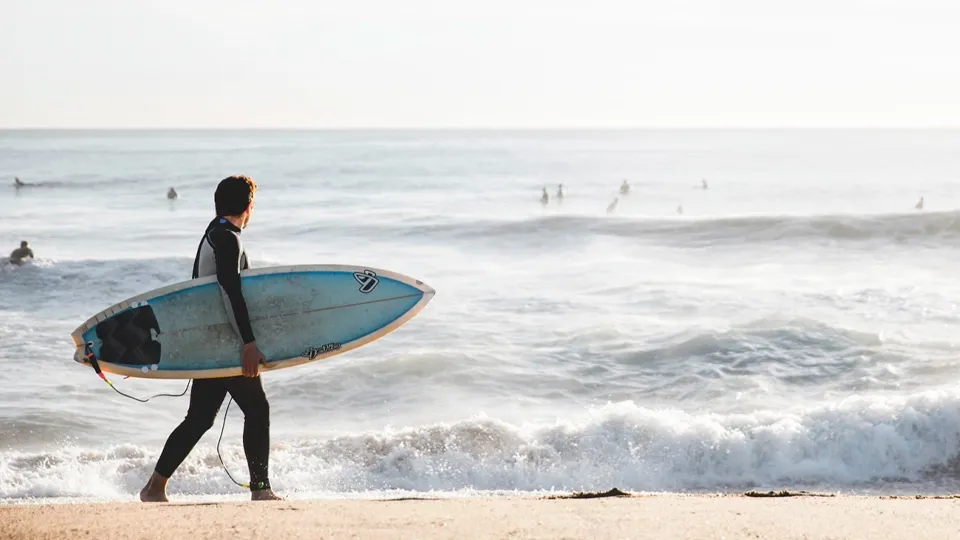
{"x": 313, "y": 352}
{"x": 367, "y": 279}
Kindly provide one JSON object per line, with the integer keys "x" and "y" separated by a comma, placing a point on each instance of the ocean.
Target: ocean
{"x": 794, "y": 328}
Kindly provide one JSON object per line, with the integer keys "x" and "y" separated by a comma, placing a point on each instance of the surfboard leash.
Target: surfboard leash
{"x": 92, "y": 358}
{"x": 222, "y": 464}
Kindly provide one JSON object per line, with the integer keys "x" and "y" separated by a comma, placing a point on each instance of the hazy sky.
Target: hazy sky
{"x": 486, "y": 63}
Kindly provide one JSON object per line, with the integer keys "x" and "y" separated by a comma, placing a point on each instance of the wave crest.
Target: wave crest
{"x": 859, "y": 443}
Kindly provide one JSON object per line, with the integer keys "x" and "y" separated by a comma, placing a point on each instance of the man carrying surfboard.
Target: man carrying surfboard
{"x": 221, "y": 253}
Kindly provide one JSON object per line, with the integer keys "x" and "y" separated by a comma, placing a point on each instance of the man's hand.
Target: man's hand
{"x": 251, "y": 359}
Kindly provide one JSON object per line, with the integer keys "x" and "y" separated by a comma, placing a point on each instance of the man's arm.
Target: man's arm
{"x": 226, "y": 250}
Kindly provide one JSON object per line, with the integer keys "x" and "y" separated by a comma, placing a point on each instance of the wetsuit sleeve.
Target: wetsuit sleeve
{"x": 226, "y": 251}
{"x": 30, "y": 253}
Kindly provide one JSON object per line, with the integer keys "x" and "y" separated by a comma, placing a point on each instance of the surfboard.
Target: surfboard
{"x": 299, "y": 314}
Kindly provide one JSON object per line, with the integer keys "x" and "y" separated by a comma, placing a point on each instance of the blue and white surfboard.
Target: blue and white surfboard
{"x": 299, "y": 314}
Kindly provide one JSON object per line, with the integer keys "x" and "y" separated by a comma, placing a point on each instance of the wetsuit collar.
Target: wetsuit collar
{"x": 224, "y": 222}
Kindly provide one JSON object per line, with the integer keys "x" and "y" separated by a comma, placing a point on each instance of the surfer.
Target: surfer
{"x": 19, "y": 255}
{"x": 680, "y": 210}
{"x": 172, "y": 194}
{"x": 919, "y": 205}
{"x": 560, "y": 193}
{"x": 624, "y": 188}
{"x": 705, "y": 184}
{"x": 545, "y": 198}
{"x": 221, "y": 253}
{"x": 17, "y": 183}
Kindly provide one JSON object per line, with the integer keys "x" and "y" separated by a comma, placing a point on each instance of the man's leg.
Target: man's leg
{"x": 249, "y": 395}
{"x": 206, "y": 396}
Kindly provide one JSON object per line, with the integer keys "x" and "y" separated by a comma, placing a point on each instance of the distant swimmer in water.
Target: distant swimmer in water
{"x": 545, "y": 198}
{"x": 560, "y": 193}
{"x": 919, "y": 205}
{"x": 17, "y": 183}
{"x": 172, "y": 194}
{"x": 624, "y": 188}
{"x": 705, "y": 184}
{"x": 680, "y": 210}
{"x": 613, "y": 205}
{"x": 19, "y": 255}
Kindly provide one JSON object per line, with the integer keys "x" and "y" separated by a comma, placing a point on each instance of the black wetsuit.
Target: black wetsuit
{"x": 20, "y": 254}
{"x": 221, "y": 253}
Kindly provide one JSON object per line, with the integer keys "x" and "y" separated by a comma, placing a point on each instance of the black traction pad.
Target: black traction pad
{"x": 126, "y": 338}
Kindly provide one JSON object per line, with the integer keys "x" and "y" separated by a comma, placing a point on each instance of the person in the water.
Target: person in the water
{"x": 545, "y": 198}
{"x": 919, "y": 205}
{"x": 705, "y": 184}
{"x": 17, "y": 183}
{"x": 624, "y": 188}
{"x": 560, "y": 193}
{"x": 20, "y": 255}
{"x": 172, "y": 194}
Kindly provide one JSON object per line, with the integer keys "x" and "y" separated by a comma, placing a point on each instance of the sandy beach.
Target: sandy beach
{"x": 654, "y": 516}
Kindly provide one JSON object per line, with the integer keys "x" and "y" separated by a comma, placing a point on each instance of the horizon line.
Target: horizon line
{"x": 481, "y": 128}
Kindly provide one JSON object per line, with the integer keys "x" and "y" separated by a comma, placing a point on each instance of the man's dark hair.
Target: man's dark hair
{"x": 234, "y": 194}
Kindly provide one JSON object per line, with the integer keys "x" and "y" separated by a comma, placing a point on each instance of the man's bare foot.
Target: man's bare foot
{"x": 155, "y": 490}
{"x": 264, "y": 495}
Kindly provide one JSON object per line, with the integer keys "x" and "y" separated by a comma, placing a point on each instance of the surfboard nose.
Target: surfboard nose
{"x": 427, "y": 290}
